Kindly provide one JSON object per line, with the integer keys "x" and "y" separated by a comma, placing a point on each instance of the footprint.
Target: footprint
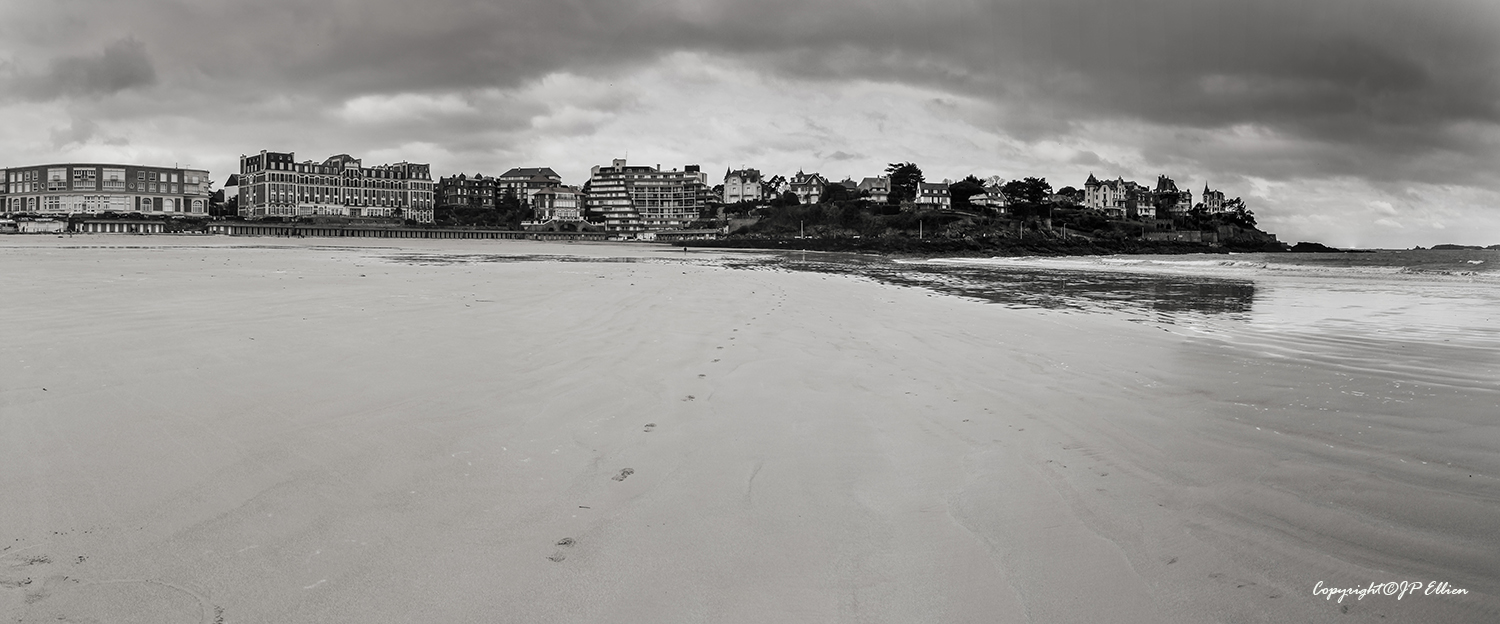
{"x": 650, "y": 426}
{"x": 566, "y": 541}
{"x": 624, "y": 472}
{"x": 689, "y": 397}
{"x": 557, "y": 556}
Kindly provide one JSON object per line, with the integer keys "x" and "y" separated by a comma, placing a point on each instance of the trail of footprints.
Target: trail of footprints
{"x": 38, "y": 577}
{"x": 558, "y": 555}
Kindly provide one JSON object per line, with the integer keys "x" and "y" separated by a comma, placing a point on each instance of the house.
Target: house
{"x": 1213, "y": 201}
{"x": 933, "y": 196}
{"x": 742, "y": 185}
{"x": 1109, "y": 197}
{"x": 1140, "y": 202}
{"x": 808, "y": 187}
{"x": 1119, "y": 198}
{"x": 557, "y": 204}
{"x": 525, "y": 182}
{"x": 465, "y": 191}
{"x": 1184, "y": 201}
{"x": 879, "y": 189}
{"x": 992, "y": 197}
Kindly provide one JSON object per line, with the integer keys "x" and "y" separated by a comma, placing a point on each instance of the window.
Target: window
{"x": 85, "y": 179}
{"x": 114, "y": 179}
{"x": 57, "y": 179}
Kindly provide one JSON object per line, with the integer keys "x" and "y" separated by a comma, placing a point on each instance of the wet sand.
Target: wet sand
{"x": 238, "y": 430}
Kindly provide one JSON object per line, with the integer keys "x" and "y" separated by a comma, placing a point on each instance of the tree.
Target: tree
{"x": 963, "y": 189}
{"x": 768, "y": 187}
{"x": 785, "y": 199}
{"x": 1237, "y": 213}
{"x": 837, "y": 192}
{"x": 1072, "y": 195}
{"x": 509, "y": 201}
{"x": 1029, "y": 190}
{"x": 904, "y": 180}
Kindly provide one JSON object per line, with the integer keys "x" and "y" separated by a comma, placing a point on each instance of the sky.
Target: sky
{"x": 1356, "y": 123}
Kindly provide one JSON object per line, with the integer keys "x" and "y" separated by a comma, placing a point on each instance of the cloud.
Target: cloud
{"x": 1372, "y": 96}
{"x": 374, "y": 109}
{"x": 1086, "y": 158}
{"x": 78, "y": 132}
{"x": 122, "y": 65}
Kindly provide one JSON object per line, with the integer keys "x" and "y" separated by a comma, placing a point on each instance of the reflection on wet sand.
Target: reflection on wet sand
{"x": 1163, "y": 297}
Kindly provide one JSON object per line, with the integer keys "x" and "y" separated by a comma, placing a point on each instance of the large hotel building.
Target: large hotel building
{"x": 274, "y": 184}
{"x": 634, "y": 200}
{"x": 93, "y": 188}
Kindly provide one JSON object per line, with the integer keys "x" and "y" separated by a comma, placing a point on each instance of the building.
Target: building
{"x": 273, "y": 184}
{"x": 93, "y": 188}
{"x": 742, "y": 185}
{"x": 808, "y": 187}
{"x": 119, "y": 226}
{"x": 633, "y": 200}
{"x": 464, "y": 191}
{"x": 878, "y": 189}
{"x": 992, "y": 197}
{"x": 1213, "y": 201}
{"x": 1140, "y": 203}
{"x": 933, "y": 196}
{"x": 1184, "y": 201}
{"x": 1109, "y": 197}
{"x": 1119, "y": 198}
{"x": 525, "y": 182}
{"x": 558, "y": 204}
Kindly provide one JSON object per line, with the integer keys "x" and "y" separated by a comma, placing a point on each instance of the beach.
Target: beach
{"x": 206, "y": 429}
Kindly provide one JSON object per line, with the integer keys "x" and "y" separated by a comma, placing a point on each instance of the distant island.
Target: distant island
{"x": 1446, "y": 247}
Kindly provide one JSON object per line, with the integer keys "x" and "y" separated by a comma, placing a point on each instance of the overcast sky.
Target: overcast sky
{"x": 1350, "y": 122}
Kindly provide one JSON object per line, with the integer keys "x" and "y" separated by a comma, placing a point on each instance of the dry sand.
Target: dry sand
{"x": 257, "y": 430}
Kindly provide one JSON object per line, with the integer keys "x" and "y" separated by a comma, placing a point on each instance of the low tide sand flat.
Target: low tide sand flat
{"x": 201, "y": 430}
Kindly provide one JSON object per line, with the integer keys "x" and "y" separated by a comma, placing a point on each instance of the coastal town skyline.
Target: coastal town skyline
{"x": 1375, "y": 127}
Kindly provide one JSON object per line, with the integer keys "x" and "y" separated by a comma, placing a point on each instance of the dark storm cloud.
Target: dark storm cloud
{"x": 1340, "y": 87}
{"x": 121, "y": 65}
